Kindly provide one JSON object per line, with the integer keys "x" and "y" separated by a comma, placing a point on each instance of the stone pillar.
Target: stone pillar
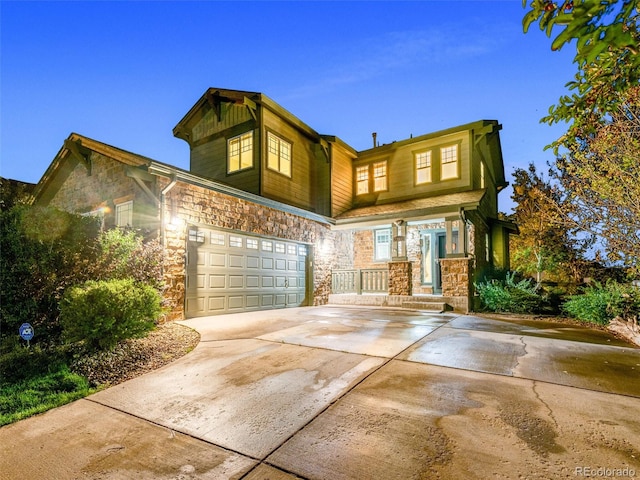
{"x": 400, "y": 282}
{"x": 457, "y": 277}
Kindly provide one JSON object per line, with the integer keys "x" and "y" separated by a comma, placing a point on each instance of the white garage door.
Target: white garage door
{"x": 230, "y": 272}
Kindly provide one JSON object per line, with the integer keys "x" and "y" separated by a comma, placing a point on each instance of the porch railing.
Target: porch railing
{"x": 365, "y": 280}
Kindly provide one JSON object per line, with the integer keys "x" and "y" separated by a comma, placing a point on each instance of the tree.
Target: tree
{"x": 607, "y": 43}
{"x": 601, "y": 180}
{"x": 599, "y": 155}
{"x": 542, "y": 249}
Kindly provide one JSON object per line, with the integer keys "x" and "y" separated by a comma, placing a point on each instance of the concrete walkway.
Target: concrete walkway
{"x": 354, "y": 393}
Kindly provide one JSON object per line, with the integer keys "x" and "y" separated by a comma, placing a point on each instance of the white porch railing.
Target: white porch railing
{"x": 365, "y": 280}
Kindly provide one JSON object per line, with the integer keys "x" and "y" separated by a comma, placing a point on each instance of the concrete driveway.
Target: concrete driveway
{"x": 354, "y": 393}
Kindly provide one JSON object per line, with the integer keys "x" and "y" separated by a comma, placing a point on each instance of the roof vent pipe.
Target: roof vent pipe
{"x": 374, "y": 135}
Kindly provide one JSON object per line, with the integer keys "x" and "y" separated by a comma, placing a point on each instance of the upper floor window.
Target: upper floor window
{"x": 423, "y": 167}
{"x": 362, "y": 179}
{"x": 124, "y": 214}
{"x": 240, "y": 152}
{"x": 382, "y": 244}
{"x": 371, "y": 177}
{"x": 449, "y": 162}
{"x": 379, "y": 176}
{"x": 279, "y": 154}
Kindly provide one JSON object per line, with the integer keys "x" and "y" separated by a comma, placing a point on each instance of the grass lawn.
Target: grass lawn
{"x": 40, "y": 393}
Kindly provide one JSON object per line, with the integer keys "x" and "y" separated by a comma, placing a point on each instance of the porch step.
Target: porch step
{"x": 438, "y": 307}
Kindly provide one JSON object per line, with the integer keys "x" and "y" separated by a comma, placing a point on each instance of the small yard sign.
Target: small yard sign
{"x": 26, "y": 332}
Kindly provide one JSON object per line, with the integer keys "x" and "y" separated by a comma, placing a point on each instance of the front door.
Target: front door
{"x": 441, "y": 252}
{"x": 433, "y": 249}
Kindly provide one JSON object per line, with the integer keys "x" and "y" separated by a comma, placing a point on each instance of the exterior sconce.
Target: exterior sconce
{"x": 399, "y": 246}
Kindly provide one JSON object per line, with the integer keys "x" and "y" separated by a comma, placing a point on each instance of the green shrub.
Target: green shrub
{"x": 124, "y": 254}
{"x": 102, "y": 313}
{"x": 509, "y": 296}
{"x": 44, "y": 250}
{"x": 601, "y": 303}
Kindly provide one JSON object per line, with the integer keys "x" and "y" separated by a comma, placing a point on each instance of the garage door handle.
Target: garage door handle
{"x": 286, "y": 284}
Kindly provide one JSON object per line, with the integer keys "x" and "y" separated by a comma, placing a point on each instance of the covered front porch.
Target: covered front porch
{"x": 393, "y": 286}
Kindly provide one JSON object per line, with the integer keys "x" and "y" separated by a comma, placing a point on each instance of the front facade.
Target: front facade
{"x": 272, "y": 214}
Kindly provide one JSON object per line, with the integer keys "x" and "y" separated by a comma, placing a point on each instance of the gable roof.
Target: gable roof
{"x": 76, "y": 149}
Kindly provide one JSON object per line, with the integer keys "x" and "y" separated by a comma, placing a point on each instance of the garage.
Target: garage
{"x": 229, "y": 272}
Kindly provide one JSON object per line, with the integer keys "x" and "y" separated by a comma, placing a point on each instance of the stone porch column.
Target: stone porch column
{"x": 400, "y": 281}
{"x": 457, "y": 278}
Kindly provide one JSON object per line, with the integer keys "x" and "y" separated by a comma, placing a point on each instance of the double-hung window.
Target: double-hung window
{"x": 382, "y": 244}
{"x": 279, "y": 154}
{"x": 371, "y": 177}
{"x": 449, "y": 162}
{"x": 379, "y": 176}
{"x": 423, "y": 167}
{"x": 362, "y": 179}
{"x": 240, "y": 152}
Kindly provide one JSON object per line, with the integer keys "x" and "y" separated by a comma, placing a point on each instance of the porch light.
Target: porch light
{"x": 399, "y": 246}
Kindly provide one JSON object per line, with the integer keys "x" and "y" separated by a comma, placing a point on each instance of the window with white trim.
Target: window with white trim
{"x": 278, "y": 154}
{"x": 362, "y": 179}
{"x": 382, "y": 244}
{"x": 423, "y": 167}
{"x": 449, "y": 162}
{"x": 124, "y": 214}
{"x": 240, "y": 152}
{"x": 380, "y": 176}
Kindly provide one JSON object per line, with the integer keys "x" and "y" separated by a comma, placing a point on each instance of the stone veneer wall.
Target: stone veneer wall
{"x": 400, "y": 278}
{"x": 196, "y": 205}
{"x": 82, "y": 192}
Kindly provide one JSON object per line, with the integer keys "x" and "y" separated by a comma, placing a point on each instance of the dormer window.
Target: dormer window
{"x": 380, "y": 176}
{"x": 362, "y": 179}
{"x": 423, "y": 167}
{"x": 449, "y": 162}
{"x": 372, "y": 177}
{"x": 279, "y": 154}
{"x": 240, "y": 152}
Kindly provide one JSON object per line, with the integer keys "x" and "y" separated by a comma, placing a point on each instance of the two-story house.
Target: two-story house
{"x": 273, "y": 214}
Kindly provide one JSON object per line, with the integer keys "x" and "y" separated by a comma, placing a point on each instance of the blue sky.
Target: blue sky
{"x": 126, "y": 72}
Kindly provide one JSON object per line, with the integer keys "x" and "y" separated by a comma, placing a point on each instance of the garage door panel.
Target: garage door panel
{"x": 216, "y": 259}
{"x": 253, "y": 301}
{"x": 216, "y": 281}
{"x": 236, "y": 261}
{"x": 216, "y": 304}
{"x": 253, "y": 262}
{"x": 243, "y": 273}
{"x": 195, "y": 304}
{"x": 236, "y": 302}
{"x": 280, "y": 300}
